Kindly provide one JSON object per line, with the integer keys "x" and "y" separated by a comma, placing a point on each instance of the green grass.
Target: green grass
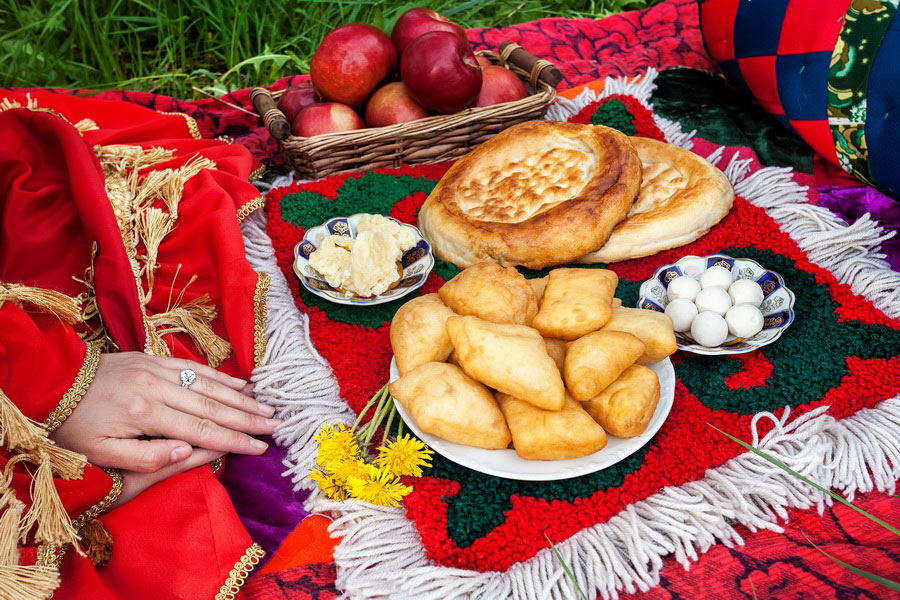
{"x": 174, "y": 46}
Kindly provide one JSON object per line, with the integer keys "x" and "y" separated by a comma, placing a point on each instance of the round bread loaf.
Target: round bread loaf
{"x": 538, "y": 194}
{"x": 682, "y": 195}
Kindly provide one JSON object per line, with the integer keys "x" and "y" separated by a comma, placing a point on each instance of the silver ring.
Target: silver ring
{"x": 187, "y": 378}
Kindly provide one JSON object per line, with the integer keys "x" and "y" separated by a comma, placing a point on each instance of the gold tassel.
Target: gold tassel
{"x": 153, "y": 226}
{"x": 9, "y": 527}
{"x": 194, "y": 318}
{"x": 28, "y": 583}
{"x": 86, "y": 125}
{"x": 168, "y": 184}
{"x": 47, "y": 511}
{"x": 97, "y": 542}
{"x": 65, "y": 463}
{"x": 48, "y": 301}
{"x": 18, "y": 432}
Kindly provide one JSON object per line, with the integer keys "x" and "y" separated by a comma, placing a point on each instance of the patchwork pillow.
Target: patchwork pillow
{"x": 828, "y": 71}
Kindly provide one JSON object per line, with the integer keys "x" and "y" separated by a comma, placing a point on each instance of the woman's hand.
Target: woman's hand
{"x": 133, "y": 482}
{"x": 135, "y": 396}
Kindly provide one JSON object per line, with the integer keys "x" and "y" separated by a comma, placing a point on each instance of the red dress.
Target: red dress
{"x": 126, "y": 210}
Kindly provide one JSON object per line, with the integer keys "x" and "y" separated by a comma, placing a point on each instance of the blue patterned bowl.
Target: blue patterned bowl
{"x": 417, "y": 263}
{"x": 777, "y": 306}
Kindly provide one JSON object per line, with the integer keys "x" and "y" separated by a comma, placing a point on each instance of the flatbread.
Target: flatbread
{"x": 538, "y": 194}
{"x": 682, "y": 196}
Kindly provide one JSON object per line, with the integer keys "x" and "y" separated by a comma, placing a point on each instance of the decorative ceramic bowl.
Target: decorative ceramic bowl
{"x": 777, "y": 306}
{"x": 416, "y": 262}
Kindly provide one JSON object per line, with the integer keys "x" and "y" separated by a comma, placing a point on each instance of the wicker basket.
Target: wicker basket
{"x": 428, "y": 140}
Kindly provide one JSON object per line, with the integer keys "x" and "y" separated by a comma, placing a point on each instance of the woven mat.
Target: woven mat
{"x": 823, "y": 399}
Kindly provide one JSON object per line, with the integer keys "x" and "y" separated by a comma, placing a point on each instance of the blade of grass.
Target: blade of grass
{"x": 752, "y": 587}
{"x": 566, "y": 568}
{"x": 883, "y": 581}
{"x": 784, "y": 467}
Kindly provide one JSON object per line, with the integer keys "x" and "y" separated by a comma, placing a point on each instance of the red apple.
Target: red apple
{"x": 499, "y": 85}
{"x": 419, "y": 21}
{"x": 326, "y": 117}
{"x": 392, "y": 104}
{"x": 441, "y": 72}
{"x": 296, "y": 98}
{"x": 351, "y": 61}
{"x": 483, "y": 61}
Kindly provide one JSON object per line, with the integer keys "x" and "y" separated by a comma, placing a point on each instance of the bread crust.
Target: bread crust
{"x": 538, "y": 194}
{"x": 682, "y": 196}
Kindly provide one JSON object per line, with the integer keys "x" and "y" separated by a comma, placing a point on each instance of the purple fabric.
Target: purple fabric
{"x": 850, "y": 203}
{"x": 265, "y": 501}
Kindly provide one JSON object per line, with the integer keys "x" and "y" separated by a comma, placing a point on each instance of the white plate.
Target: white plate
{"x": 417, "y": 263}
{"x": 777, "y": 307}
{"x": 506, "y": 463}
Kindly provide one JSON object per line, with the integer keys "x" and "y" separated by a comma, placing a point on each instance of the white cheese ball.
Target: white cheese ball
{"x": 714, "y": 299}
{"x": 683, "y": 287}
{"x": 744, "y": 320}
{"x": 709, "y": 329}
{"x": 746, "y": 291}
{"x": 682, "y": 312}
{"x": 716, "y": 276}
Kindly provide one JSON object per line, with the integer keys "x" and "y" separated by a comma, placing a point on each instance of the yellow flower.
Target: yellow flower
{"x": 379, "y": 487}
{"x": 328, "y": 485}
{"x": 336, "y": 445}
{"x": 351, "y": 467}
{"x": 404, "y": 456}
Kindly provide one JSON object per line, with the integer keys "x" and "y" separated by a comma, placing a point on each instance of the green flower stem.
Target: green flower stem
{"x": 384, "y": 405}
{"x": 376, "y": 398}
{"x": 390, "y": 420}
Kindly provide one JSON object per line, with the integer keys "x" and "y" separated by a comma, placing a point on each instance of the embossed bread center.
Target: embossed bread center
{"x": 515, "y": 187}
{"x": 661, "y": 181}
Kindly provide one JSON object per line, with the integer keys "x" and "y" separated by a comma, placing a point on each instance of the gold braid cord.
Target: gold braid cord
{"x": 248, "y": 208}
{"x": 256, "y": 174}
{"x": 241, "y": 571}
{"x": 146, "y": 209}
{"x": 192, "y": 126}
{"x": 261, "y": 318}
{"x": 75, "y": 393}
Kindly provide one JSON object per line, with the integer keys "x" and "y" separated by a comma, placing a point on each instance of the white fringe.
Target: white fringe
{"x": 382, "y": 557}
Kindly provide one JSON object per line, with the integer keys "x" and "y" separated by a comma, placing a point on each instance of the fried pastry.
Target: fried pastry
{"x": 682, "y": 196}
{"x": 491, "y": 292}
{"x": 510, "y": 358}
{"x": 576, "y": 302}
{"x": 653, "y": 328}
{"x": 538, "y": 285}
{"x": 625, "y": 407}
{"x": 418, "y": 334}
{"x": 556, "y": 348}
{"x": 551, "y": 435}
{"x": 597, "y": 359}
{"x": 445, "y": 402}
{"x": 538, "y": 194}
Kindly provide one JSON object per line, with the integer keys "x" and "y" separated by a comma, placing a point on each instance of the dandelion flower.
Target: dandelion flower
{"x": 380, "y": 487}
{"x": 404, "y": 456}
{"x": 328, "y": 485}
{"x": 336, "y": 444}
{"x": 351, "y": 467}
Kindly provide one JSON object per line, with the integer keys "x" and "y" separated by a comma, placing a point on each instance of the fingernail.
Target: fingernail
{"x": 266, "y": 409}
{"x": 179, "y": 454}
{"x": 238, "y": 380}
{"x": 258, "y": 444}
{"x": 274, "y": 422}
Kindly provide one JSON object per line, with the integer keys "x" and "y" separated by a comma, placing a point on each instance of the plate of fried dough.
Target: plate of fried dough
{"x": 539, "y": 379}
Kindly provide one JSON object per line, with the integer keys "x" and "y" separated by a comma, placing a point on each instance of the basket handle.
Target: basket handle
{"x": 540, "y": 69}
{"x": 273, "y": 118}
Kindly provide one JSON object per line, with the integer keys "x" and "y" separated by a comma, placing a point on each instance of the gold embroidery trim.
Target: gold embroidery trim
{"x": 241, "y": 571}
{"x": 261, "y": 318}
{"x": 75, "y": 393}
{"x": 248, "y": 208}
{"x": 104, "y": 504}
{"x": 257, "y": 173}
{"x": 192, "y": 126}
